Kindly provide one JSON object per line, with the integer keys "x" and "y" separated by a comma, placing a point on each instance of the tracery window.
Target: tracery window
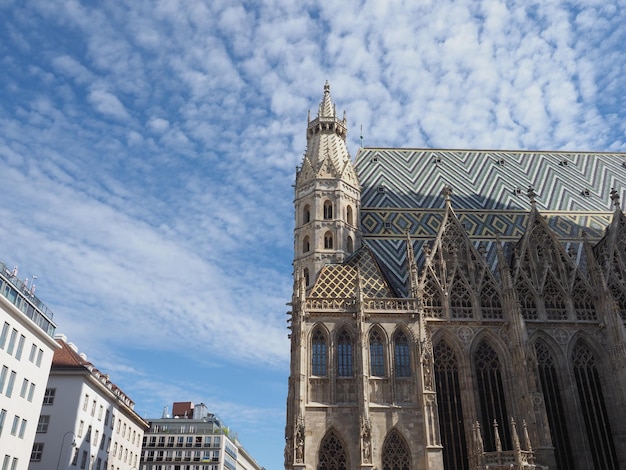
{"x": 583, "y": 303}
{"x": 554, "y": 406}
{"x": 490, "y": 304}
{"x": 432, "y": 299}
{"x": 318, "y": 353}
{"x": 328, "y": 210}
{"x": 332, "y": 455}
{"x": 450, "y": 408}
{"x": 402, "y": 359}
{"x": 594, "y": 408}
{"x": 328, "y": 240}
{"x": 377, "y": 357}
{"x": 491, "y": 396}
{"x": 395, "y": 452}
{"x": 344, "y": 355}
{"x": 553, "y": 300}
{"x": 527, "y": 300}
{"x": 460, "y": 301}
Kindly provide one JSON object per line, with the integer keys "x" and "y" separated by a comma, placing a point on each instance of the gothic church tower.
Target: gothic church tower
{"x": 326, "y": 196}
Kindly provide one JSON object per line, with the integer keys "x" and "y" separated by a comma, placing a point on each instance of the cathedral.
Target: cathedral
{"x": 456, "y": 309}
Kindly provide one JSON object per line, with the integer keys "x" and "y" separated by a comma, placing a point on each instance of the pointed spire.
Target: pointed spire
{"x": 412, "y": 266}
{"x": 496, "y": 436}
{"x": 327, "y": 108}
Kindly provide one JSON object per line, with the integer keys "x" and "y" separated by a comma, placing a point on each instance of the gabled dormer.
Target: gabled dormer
{"x": 456, "y": 282}
{"x": 327, "y": 195}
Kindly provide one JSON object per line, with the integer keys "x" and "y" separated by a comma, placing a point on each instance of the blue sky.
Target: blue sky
{"x": 148, "y": 148}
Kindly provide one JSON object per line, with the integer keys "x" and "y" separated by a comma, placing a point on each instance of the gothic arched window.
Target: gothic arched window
{"x": 328, "y": 240}
{"x": 344, "y": 355}
{"x": 350, "y": 245}
{"x": 402, "y": 358}
{"x": 306, "y": 245}
{"x": 396, "y": 454}
{"x": 594, "y": 408}
{"x": 377, "y": 356}
{"x": 491, "y": 396}
{"x": 460, "y": 301}
{"x": 554, "y": 406}
{"x": 328, "y": 210}
{"x": 332, "y": 454}
{"x": 349, "y": 215}
{"x": 318, "y": 353}
{"x": 553, "y": 300}
{"x": 306, "y": 214}
{"x": 450, "y": 408}
{"x": 490, "y": 304}
{"x": 527, "y": 300}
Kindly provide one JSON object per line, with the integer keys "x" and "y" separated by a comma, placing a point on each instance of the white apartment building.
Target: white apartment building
{"x": 192, "y": 439}
{"x": 26, "y": 349}
{"x": 86, "y": 421}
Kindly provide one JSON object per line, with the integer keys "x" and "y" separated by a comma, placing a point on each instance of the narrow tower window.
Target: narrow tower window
{"x": 318, "y": 353}
{"x": 344, "y": 355}
{"x": 350, "y": 245}
{"x": 377, "y": 357}
{"x": 306, "y": 214}
{"x": 401, "y": 355}
{"x": 349, "y": 215}
{"x": 328, "y": 241}
{"x": 306, "y": 245}
{"x": 328, "y": 210}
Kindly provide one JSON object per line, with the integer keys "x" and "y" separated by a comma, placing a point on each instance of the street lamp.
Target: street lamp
{"x": 63, "y": 443}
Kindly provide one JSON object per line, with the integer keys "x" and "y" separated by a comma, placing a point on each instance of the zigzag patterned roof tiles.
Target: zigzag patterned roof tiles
{"x": 402, "y": 190}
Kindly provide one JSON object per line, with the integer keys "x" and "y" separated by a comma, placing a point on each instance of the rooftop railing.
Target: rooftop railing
{"x": 23, "y": 297}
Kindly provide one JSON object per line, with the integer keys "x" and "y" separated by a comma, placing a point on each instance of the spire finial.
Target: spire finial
{"x": 615, "y": 197}
{"x": 531, "y": 194}
{"x": 447, "y": 192}
{"x": 326, "y": 87}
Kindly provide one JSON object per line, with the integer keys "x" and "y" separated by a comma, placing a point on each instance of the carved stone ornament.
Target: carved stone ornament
{"x": 366, "y": 441}
{"x": 465, "y": 334}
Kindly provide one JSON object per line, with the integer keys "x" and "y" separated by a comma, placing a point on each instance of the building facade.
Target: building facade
{"x": 26, "y": 349}
{"x": 456, "y": 309}
{"x": 192, "y": 439}
{"x": 86, "y": 421}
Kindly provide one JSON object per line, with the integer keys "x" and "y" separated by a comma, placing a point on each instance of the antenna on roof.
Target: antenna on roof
{"x": 361, "y": 135}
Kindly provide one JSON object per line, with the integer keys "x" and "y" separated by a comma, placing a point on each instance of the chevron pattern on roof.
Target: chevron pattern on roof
{"x": 401, "y": 190}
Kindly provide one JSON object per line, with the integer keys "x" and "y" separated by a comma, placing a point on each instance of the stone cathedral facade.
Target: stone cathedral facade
{"x": 456, "y": 309}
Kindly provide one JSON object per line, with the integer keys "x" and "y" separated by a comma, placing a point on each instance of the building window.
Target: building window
{"x": 83, "y": 460}
{"x": 344, "y": 355}
{"x": 350, "y": 245}
{"x": 396, "y": 452}
{"x": 14, "y": 426}
{"x": 402, "y": 358}
{"x": 12, "y": 339}
{"x": 93, "y": 408}
{"x": 37, "y": 452}
{"x": 349, "y": 215}
{"x": 491, "y": 397}
{"x": 31, "y": 392}
{"x": 80, "y": 429}
{"x": 75, "y": 458}
{"x": 42, "y": 424}
{"x": 377, "y": 357}
{"x": 11, "y": 383}
{"x": 306, "y": 214}
{"x": 332, "y": 454}
{"x": 24, "y": 388}
{"x": 594, "y": 408}
{"x": 48, "y": 398}
{"x": 3, "y": 335}
{"x": 88, "y": 435}
{"x": 328, "y": 210}
{"x": 318, "y": 353}
{"x": 22, "y": 429}
{"x": 307, "y": 278}
{"x": 306, "y": 245}
{"x": 3, "y": 377}
{"x": 328, "y": 240}
{"x": 3, "y": 415}
{"x": 39, "y": 357}
{"x": 546, "y": 367}
{"x": 20, "y": 347}
{"x": 450, "y": 408}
